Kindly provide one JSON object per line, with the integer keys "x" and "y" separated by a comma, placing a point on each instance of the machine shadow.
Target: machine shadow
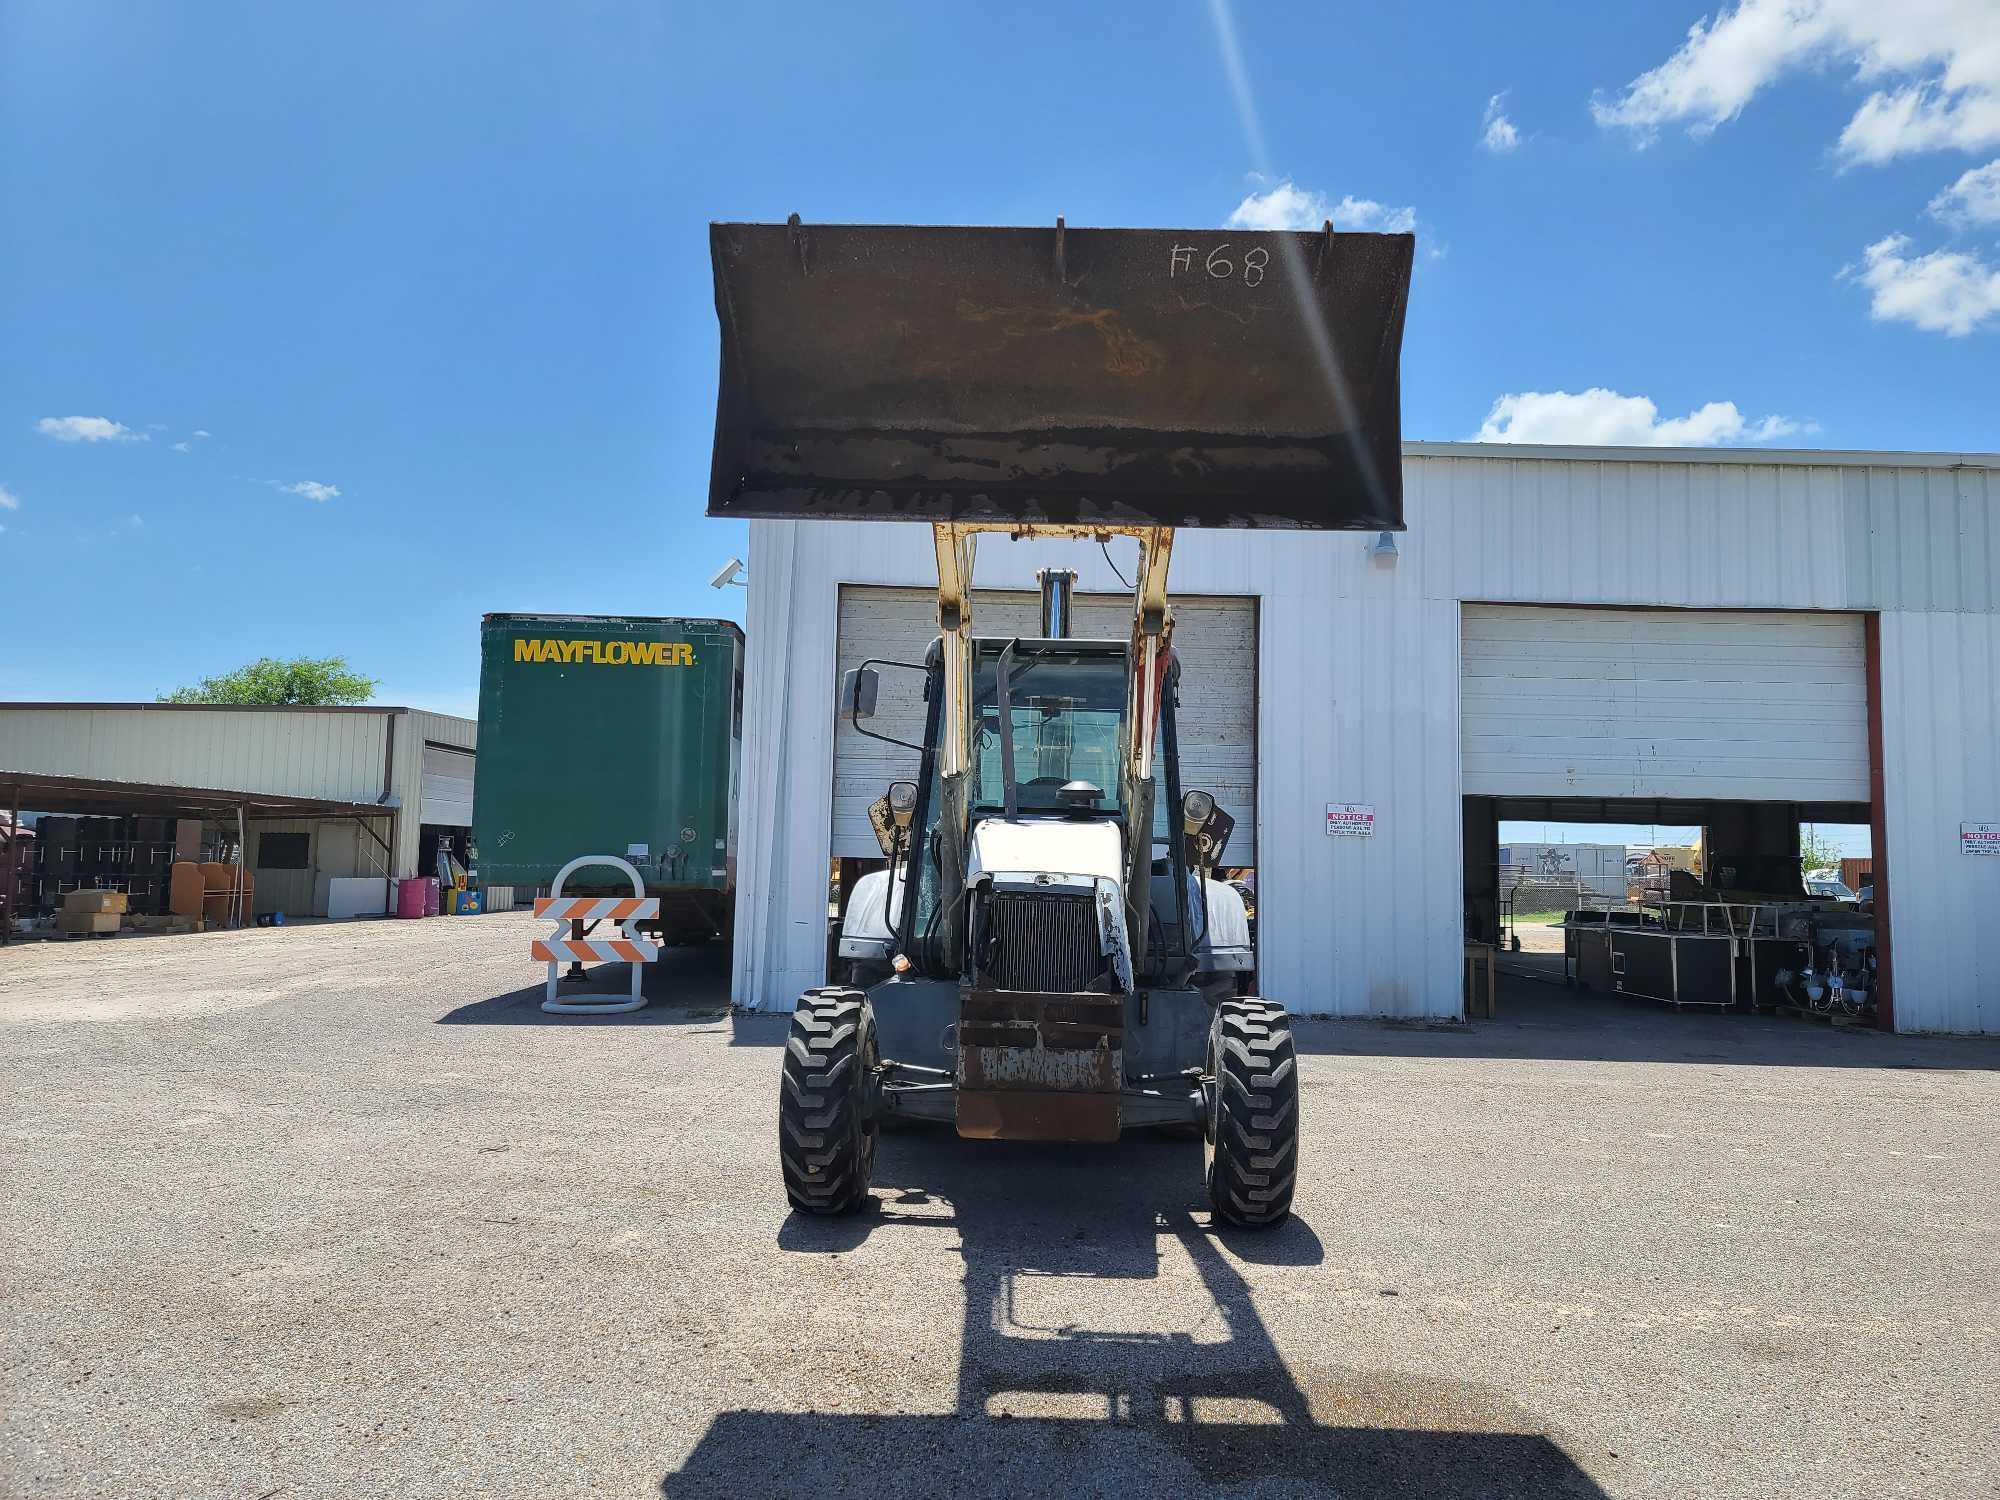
{"x": 686, "y": 986}
{"x": 1547, "y": 1022}
{"x": 1051, "y": 1407}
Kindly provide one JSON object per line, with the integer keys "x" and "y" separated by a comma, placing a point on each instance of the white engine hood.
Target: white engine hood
{"x": 1047, "y": 846}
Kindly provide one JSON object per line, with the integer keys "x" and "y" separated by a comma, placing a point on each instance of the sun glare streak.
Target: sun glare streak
{"x": 1239, "y": 83}
{"x": 1291, "y": 249}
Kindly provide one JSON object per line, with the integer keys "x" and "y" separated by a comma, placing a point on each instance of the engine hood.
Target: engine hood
{"x": 1047, "y": 846}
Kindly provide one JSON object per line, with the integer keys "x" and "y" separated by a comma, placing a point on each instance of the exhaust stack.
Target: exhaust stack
{"x": 1058, "y": 588}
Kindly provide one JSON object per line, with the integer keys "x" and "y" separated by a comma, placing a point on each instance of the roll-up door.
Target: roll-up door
{"x": 1215, "y": 636}
{"x": 1663, "y": 703}
{"x": 447, "y": 788}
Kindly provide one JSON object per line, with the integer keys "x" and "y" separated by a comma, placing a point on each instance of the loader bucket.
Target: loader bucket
{"x": 1123, "y": 377}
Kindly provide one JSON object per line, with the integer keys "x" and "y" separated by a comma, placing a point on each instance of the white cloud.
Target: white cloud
{"x": 182, "y": 448}
{"x": 1937, "y": 63}
{"x": 156, "y": 427}
{"x": 8, "y": 499}
{"x": 1288, "y": 206}
{"x": 1499, "y": 135}
{"x": 1601, "y": 418}
{"x": 1973, "y": 199}
{"x": 201, "y": 432}
{"x": 88, "y": 430}
{"x": 1948, "y": 291}
{"x": 310, "y": 489}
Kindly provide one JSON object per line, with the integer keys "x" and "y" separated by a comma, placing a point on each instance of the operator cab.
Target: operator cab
{"x": 1045, "y": 813}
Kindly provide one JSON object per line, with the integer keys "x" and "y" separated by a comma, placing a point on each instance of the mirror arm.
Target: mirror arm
{"x": 853, "y": 708}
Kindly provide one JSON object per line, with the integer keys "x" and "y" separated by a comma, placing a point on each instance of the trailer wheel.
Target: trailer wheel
{"x": 1251, "y": 1134}
{"x": 826, "y": 1125}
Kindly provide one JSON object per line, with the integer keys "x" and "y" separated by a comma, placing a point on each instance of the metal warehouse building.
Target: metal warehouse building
{"x": 1737, "y": 639}
{"x": 325, "y": 794}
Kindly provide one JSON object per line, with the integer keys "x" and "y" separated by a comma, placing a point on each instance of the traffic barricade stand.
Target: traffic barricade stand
{"x": 570, "y": 913}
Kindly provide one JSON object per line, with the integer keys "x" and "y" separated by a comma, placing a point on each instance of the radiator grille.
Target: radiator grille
{"x": 1044, "y": 943}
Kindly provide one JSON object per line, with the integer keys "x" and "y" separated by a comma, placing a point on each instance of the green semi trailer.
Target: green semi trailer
{"x": 612, "y": 735}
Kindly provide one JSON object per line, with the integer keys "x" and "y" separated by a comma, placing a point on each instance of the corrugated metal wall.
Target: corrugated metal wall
{"x": 339, "y": 754}
{"x": 1941, "y": 768}
{"x": 412, "y": 727}
{"x": 335, "y": 849}
{"x": 445, "y": 729}
{"x": 306, "y": 753}
{"x": 1361, "y": 926}
{"x": 1360, "y": 703}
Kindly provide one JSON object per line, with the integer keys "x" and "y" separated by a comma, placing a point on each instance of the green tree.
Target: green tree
{"x": 1816, "y": 851}
{"x": 308, "y": 680}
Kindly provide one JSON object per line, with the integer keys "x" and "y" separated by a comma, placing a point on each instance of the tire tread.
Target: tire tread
{"x": 1254, "y": 1130}
{"x": 826, "y": 1138}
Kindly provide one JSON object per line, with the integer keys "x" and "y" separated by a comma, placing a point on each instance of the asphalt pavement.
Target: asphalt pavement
{"x": 335, "y": 1211}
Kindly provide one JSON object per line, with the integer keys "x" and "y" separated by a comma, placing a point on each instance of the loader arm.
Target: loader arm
{"x": 1152, "y": 635}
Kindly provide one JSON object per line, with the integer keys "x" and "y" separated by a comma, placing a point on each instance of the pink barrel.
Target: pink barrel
{"x": 409, "y": 898}
{"x": 430, "y": 885}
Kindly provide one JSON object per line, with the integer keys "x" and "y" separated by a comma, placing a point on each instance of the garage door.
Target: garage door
{"x": 1664, "y": 703}
{"x": 447, "y": 789}
{"x": 1216, "y": 638}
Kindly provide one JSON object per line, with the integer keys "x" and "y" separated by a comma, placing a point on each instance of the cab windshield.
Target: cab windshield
{"x": 1066, "y": 718}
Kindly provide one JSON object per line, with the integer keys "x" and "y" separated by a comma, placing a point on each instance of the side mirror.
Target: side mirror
{"x": 902, "y": 802}
{"x": 1206, "y": 828}
{"x": 858, "y": 690}
{"x": 1196, "y": 809}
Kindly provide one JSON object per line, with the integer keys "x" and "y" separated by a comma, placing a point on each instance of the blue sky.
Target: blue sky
{"x": 380, "y": 317}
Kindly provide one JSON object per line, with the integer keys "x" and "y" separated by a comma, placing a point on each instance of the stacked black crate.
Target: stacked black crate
{"x": 56, "y": 861}
{"x": 151, "y": 862}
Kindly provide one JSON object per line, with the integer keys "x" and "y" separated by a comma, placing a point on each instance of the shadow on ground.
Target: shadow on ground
{"x": 1071, "y": 1410}
{"x": 686, "y": 985}
{"x": 1550, "y": 1021}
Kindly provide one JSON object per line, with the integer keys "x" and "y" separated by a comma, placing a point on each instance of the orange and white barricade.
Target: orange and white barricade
{"x": 558, "y": 949}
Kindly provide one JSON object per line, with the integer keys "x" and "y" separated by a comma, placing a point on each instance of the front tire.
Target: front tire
{"x": 1251, "y": 1134}
{"x": 826, "y": 1126}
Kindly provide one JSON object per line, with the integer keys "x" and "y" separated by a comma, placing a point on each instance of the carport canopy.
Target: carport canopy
{"x": 41, "y": 792}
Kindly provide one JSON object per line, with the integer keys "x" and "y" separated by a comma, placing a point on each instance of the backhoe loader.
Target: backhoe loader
{"x": 1059, "y": 965}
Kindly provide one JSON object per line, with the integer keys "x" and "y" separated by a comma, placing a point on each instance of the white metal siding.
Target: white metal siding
{"x": 1216, "y": 640}
{"x": 1356, "y": 704}
{"x": 445, "y": 729}
{"x": 1701, "y": 531}
{"x": 1360, "y": 694}
{"x": 334, "y": 755}
{"x": 1664, "y": 703}
{"x": 1941, "y": 768}
{"x": 411, "y": 728}
{"x": 446, "y": 793}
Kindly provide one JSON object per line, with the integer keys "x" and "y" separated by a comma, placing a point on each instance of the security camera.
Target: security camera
{"x": 726, "y": 575}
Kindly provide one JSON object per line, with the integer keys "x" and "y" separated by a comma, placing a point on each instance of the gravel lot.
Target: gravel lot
{"x": 335, "y": 1211}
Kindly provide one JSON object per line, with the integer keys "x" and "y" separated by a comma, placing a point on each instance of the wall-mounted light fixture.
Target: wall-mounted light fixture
{"x": 1382, "y": 551}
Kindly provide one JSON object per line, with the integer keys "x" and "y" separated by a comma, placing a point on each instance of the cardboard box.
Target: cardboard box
{"x": 92, "y": 902}
{"x": 89, "y": 921}
{"x": 143, "y": 922}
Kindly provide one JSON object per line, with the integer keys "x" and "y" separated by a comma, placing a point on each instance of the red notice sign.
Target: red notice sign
{"x": 1973, "y": 838}
{"x": 1352, "y": 820}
